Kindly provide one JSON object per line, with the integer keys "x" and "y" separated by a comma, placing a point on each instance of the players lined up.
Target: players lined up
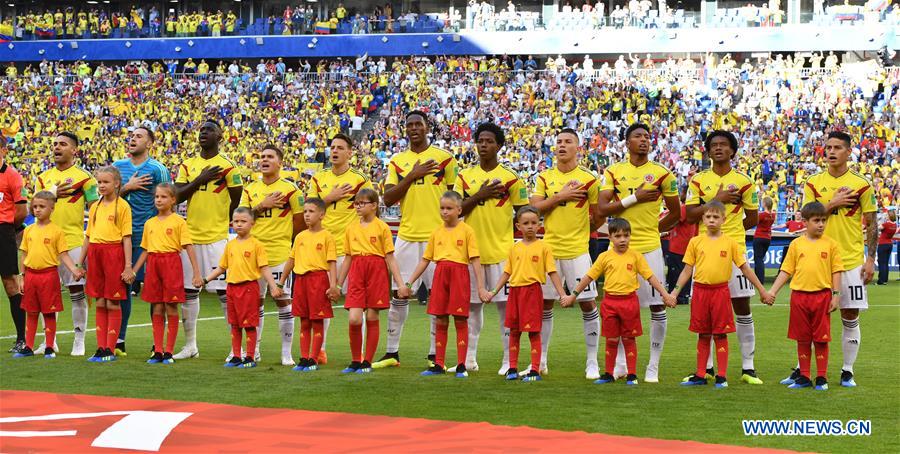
{"x": 571, "y": 200}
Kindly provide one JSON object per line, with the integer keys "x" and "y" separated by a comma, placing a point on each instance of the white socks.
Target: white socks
{"x": 476, "y": 323}
{"x": 325, "y": 324}
{"x": 621, "y": 368}
{"x": 286, "y": 327}
{"x": 190, "y": 310}
{"x": 591, "y": 333}
{"x": 79, "y": 314}
{"x": 504, "y": 331}
{"x": 259, "y": 329}
{"x": 431, "y": 349}
{"x": 658, "y": 323}
{"x": 747, "y": 337}
{"x": 396, "y": 318}
{"x": 850, "y": 337}
{"x": 546, "y": 331}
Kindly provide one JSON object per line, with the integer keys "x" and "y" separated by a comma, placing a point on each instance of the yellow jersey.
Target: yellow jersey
{"x": 621, "y": 271}
{"x": 492, "y": 219}
{"x": 529, "y": 263}
{"x": 165, "y": 235}
{"x": 457, "y": 244}
{"x": 69, "y": 211}
{"x": 373, "y": 238}
{"x": 274, "y": 227}
{"x": 420, "y": 207}
{"x": 207, "y": 209}
{"x": 109, "y": 222}
{"x": 845, "y": 224}
{"x": 42, "y": 245}
{"x": 340, "y": 213}
{"x": 313, "y": 251}
{"x": 703, "y": 188}
{"x": 243, "y": 259}
{"x": 567, "y": 229}
{"x": 812, "y": 262}
{"x": 712, "y": 258}
{"x": 623, "y": 179}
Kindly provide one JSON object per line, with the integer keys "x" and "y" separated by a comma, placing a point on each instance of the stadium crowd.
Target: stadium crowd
{"x": 778, "y": 111}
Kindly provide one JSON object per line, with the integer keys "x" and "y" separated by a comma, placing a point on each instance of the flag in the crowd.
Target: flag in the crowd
{"x": 6, "y": 32}
{"x": 322, "y": 28}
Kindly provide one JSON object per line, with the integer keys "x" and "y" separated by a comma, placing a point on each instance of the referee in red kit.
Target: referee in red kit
{"x": 13, "y": 208}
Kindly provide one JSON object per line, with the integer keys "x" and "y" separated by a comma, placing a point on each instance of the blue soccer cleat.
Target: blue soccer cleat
{"x": 365, "y": 367}
{"x": 721, "y": 382}
{"x": 631, "y": 380}
{"x": 234, "y": 362}
{"x": 512, "y": 374}
{"x": 821, "y": 384}
{"x": 24, "y": 353}
{"x": 795, "y": 374}
{"x": 157, "y": 358}
{"x": 801, "y": 383}
{"x": 847, "y": 379}
{"x": 167, "y": 358}
{"x": 248, "y": 363}
{"x": 433, "y": 370}
{"x": 352, "y": 368}
{"x": 694, "y": 380}
{"x": 604, "y": 379}
{"x": 532, "y": 376}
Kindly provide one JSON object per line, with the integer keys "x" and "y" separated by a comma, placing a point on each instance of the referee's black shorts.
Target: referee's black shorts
{"x": 9, "y": 254}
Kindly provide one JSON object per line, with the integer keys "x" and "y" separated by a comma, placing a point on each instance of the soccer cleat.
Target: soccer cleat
{"x": 312, "y": 367}
{"x": 821, "y": 384}
{"x": 49, "y": 353}
{"x": 78, "y": 346}
{"x": 512, "y": 374}
{"x": 167, "y": 358}
{"x": 248, "y": 363}
{"x": 352, "y": 368}
{"x": 472, "y": 365}
{"x": 749, "y": 377}
{"x": 301, "y": 364}
{"x": 388, "y": 360}
{"x": 365, "y": 367}
{"x": 257, "y": 356}
{"x": 17, "y": 347}
{"x": 433, "y": 370}
{"x": 234, "y": 362}
{"x": 800, "y": 383}
{"x": 592, "y": 370}
{"x": 503, "y": 368}
{"x": 847, "y": 379}
{"x": 652, "y": 374}
{"x": 604, "y": 379}
{"x": 694, "y": 380}
{"x": 156, "y": 358}
{"x": 795, "y": 374}
{"x": 721, "y": 382}
{"x": 189, "y": 352}
{"x": 40, "y": 349}
{"x": 97, "y": 356}
{"x": 23, "y": 353}
{"x": 710, "y": 374}
{"x": 533, "y": 375}
{"x": 120, "y": 349}
{"x": 461, "y": 371}
{"x": 286, "y": 360}
{"x": 430, "y": 359}
{"x": 108, "y": 356}
{"x": 322, "y": 359}
{"x": 631, "y": 380}
{"x": 544, "y": 370}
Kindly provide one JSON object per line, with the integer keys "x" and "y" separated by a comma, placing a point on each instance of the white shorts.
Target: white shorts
{"x": 492, "y": 275}
{"x": 64, "y": 275}
{"x": 570, "y": 272}
{"x": 853, "y": 290}
{"x": 739, "y": 286}
{"x": 277, "y": 271}
{"x": 208, "y": 256}
{"x": 408, "y": 254}
{"x": 646, "y": 294}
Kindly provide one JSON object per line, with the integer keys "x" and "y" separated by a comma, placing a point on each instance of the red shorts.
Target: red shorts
{"x": 309, "y": 298}
{"x": 450, "y": 290}
{"x": 620, "y": 315}
{"x": 243, "y": 304}
{"x": 105, "y": 263}
{"x": 810, "y": 320}
{"x": 368, "y": 284}
{"x": 525, "y": 308}
{"x": 163, "y": 278}
{"x": 42, "y": 291}
{"x": 711, "y": 311}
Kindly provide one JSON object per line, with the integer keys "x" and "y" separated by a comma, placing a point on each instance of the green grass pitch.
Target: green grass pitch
{"x": 564, "y": 400}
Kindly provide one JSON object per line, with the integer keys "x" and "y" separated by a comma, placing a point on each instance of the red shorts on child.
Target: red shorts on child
{"x": 620, "y": 315}
{"x": 368, "y": 284}
{"x": 525, "y": 308}
{"x": 810, "y": 320}
{"x": 309, "y": 298}
{"x": 163, "y": 278}
{"x": 42, "y": 291}
{"x": 243, "y": 304}
{"x": 105, "y": 263}
{"x": 450, "y": 290}
{"x": 711, "y": 311}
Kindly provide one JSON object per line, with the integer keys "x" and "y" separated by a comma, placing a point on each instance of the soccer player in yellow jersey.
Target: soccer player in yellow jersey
{"x": 567, "y": 196}
{"x": 338, "y": 186}
{"x": 492, "y": 193}
{"x": 416, "y": 179}
{"x": 735, "y": 191}
{"x": 636, "y": 190}
{"x": 277, "y": 205}
{"x": 211, "y": 185}
{"x": 76, "y": 191}
{"x": 850, "y": 199}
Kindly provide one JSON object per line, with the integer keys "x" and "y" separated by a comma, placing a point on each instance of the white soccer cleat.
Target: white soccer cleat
{"x": 503, "y": 369}
{"x": 652, "y": 375}
{"x": 592, "y": 370}
{"x": 287, "y": 361}
{"x": 40, "y": 349}
{"x": 186, "y": 353}
{"x": 472, "y": 366}
{"x": 78, "y": 347}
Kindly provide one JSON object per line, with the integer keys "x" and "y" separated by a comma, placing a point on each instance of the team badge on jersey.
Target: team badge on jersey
{"x": 535, "y": 258}
{"x": 169, "y": 232}
{"x": 648, "y": 178}
{"x": 247, "y": 254}
{"x": 46, "y": 240}
{"x": 459, "y": 242}
{"x": 723, "y": 254}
